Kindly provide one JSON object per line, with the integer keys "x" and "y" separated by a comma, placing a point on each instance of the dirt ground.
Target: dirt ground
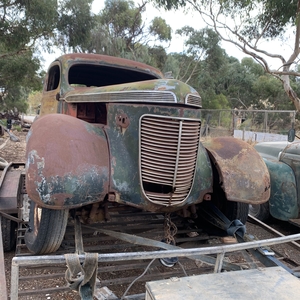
{"x": 15, "y": 151}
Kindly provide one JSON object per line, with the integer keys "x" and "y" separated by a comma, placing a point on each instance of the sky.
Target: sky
{"x": 176, "y": 19}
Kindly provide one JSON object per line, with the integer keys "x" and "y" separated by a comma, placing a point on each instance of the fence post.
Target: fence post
{"x": 266, "y": 121}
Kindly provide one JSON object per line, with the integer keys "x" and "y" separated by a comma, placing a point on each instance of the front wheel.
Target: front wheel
{"x": 236, "y": 210}
{"x": 46, "y": 229}
{"x": 231, "y": 209}
{"x": 260, "y": 211}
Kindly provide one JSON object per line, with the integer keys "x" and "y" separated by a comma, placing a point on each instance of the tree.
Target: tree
{"x": 248, "y": 24}
{"x": 120, "y": 31}
{"x": 74, "y": 24}
{"x": 18, "y": 75}
{"x": 28, "y": 27}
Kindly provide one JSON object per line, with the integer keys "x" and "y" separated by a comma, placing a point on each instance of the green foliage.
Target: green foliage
{"x": 161, "y": 29}
{"x": 23, "y": 22}
{"x": 19, "y": 75}
{"x": 34, "y": 101}
{"x": 218, "y": 102}
{"x": 119, "y": 30}
{"x": 30, "y": 26}
{"x": 270, "y": 17}
{"x": 74, "y": 23}
{"x": 158, "y": 57}
{"x": 248, "y": 24}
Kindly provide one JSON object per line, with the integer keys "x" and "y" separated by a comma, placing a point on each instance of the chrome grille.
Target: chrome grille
{"x": 193, "y": 100}
{"x": 132, "y": 96}
{"x": 168, "y": 154}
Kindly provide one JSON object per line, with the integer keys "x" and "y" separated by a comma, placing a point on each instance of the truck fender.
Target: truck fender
{"x": 243, "y": 175}
{"x": 67, "y": 162}
{"x": 283, "y": 204}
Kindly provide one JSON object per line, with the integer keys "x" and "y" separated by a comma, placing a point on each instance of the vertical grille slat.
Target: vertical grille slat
{"x": 168, "y": 155}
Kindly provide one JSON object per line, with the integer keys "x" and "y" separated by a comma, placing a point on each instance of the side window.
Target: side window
{"x": 53, "y": 78}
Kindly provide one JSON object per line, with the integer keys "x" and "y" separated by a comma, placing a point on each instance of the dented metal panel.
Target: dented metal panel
{"x": 106, "y": 60}
{"x": 243, "y": 174}
{"x": 291, "y": 156}
{"x": 67, "y": 162}
{"x": 124, "y": 140}
{"x": 150, "y": 91}
{"x": 283, "y": 202}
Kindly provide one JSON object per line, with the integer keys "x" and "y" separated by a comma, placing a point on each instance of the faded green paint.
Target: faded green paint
{"x": 73, "y": 190}
{"x": 68, "y": 60}
{"x": 124, "y": 149}
{"x": 283, "y": 200}
{"x": 179, "y": 89}
{"x": 283, "y": 162}
{"x": 203, "y": 177}
{"x": 291, "y": 156}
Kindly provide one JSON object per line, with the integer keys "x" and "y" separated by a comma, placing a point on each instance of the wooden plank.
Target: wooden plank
{"x": 268, "y": 284}
{"x": 9, "y": 191}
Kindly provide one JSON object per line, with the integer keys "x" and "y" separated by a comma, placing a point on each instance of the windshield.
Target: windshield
{"x": 97, "y": 75}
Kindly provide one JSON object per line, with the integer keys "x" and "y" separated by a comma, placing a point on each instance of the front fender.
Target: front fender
{"x": 283, "y": 202}
{"x": 67, "y": 162}
{"x": 243, "y": 174}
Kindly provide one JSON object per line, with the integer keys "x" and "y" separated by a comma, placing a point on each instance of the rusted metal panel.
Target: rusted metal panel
{"x": 124, "y": 146}
{"x": 105, "y": 60}
{"x": 283, "y": 203}
{"x": 243, "y": 174}
{"x": 67, "y": 162}
{"x": 282, "y": 160}
{"x": 159, "y": 91}
{"x": 291, "y": 156}
{"x": 50, "y": 105}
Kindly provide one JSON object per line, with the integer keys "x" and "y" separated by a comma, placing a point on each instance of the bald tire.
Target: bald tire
{"x": 237, "y": 210}
{"x": 46, "y": 229}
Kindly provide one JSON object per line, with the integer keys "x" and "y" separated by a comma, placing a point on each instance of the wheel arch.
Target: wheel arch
{"x": 242, "y": 173}
{"x": 67, "y": 162}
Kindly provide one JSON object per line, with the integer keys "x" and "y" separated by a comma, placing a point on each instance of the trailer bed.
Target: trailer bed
{"x": 264, "y": 283}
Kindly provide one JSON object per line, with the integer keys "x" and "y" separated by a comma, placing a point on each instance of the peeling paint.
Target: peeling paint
{"x": 243, "y": 173}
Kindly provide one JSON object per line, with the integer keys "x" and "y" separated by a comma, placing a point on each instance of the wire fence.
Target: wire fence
{"x": 253, "y": 125}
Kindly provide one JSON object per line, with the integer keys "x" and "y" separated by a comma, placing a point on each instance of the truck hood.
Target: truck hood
{"x": 158, "y": 90}
{"x": 271, "y": 150}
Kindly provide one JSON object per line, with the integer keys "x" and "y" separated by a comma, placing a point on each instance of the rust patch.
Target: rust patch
{"x": 122, "y": 120}
{"x": 67, "y": 162}
{"x": 243, "y": 174}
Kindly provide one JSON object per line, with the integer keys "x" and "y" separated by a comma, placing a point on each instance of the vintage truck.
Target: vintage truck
{"x": 283, "y": 162}
{"x": 116, "y": 133}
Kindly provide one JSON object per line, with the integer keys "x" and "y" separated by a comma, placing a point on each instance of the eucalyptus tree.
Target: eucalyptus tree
{"x": 120, "y": 30}
{"x": 28, "y": 30}
{"x": 250, "y": 25}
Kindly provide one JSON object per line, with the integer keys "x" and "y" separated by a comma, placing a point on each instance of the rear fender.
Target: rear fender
{"x": 283, "y": 202}
{"x": 67, "y": 162}
{"x": 243, "y": 174}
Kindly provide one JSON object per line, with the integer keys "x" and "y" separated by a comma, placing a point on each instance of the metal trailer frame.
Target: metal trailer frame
{"x": 47, "y": 260}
